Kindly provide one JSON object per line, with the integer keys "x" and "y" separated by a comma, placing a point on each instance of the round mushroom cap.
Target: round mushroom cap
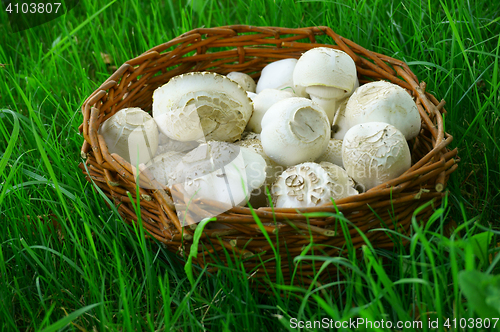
{"x": 295, "y": 130}
{"x": 244, "y": 80}
{"x": 201, "y": 106}
{"x": 383, "y": 101}
{"x": 132, "y": 134}
{"x": 279, "y": 75}
{"x": 261, "y": 103}
{"x": 324, "y": 66}
{"x": 311, "y": 184}
{"x": 374, "y": 153}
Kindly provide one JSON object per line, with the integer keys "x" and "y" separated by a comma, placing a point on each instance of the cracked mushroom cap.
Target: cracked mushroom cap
{"x": 383, "y": 101}
{"x": 201, "y": 106}
{"x": 374, "y": 153}
{"x": 295, "y": 130}
{"x": 131, "y": 132}
{"x": 310, "y": 185}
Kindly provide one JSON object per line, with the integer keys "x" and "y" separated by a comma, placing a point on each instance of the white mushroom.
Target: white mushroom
{"x": 329, "y": 75}
{"x": 218, "y": 171}
{"x": 279, "y": 75}
{"x": 162, "y": 165}
{"x": 198, "y": 106}
{"x": 261, "y": 103}
{"x": 132, "y": 134}
{"x": 244, "y": 80}
{"x": 383, "y": 101}
{"x": 374, "y": 153}
{"x": 311, "y": 184}
{"x": 295, "y": 130}
{"x": 333, "y": 153}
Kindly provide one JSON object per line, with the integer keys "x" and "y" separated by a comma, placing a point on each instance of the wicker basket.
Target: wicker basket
{"x": 248, "y": 49}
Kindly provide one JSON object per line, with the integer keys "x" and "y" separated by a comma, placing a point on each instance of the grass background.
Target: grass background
{"x": 94, "y": 273}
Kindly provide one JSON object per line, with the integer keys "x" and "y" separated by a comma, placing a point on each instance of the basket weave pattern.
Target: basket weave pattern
{"x": 248, "y": 49}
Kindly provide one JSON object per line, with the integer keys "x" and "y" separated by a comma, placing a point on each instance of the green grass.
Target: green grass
{"x": 96, "y": 273}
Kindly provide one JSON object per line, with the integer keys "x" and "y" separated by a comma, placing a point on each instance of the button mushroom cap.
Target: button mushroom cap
{"x": 218, "y": 171}
{"x": 374, "y": 153}
{"x": 333, "y": 153}
{"x": 295, "y": 130}
{"x": 261, "y": 103}
{"x": 244, "y": 80}
{"x": 132, "y": 134}
{"x": 329, "y": 75}
{"x": 201, "y": 106}
{"x": 383, "y": 101}
{"x": 279, "y": 75}
{"x": 311, "y": 184}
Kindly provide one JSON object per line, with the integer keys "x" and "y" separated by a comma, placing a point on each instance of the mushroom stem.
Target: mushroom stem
{"x": 330, "y": 106}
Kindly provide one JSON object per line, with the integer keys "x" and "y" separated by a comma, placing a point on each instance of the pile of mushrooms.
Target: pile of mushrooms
{"x": 307, "y": 132}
